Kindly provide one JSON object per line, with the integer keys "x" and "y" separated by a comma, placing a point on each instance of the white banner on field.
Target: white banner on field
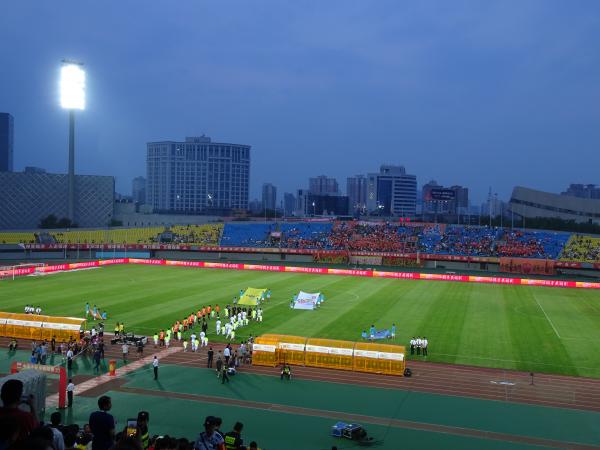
{"x": 306, "y": 300}
{"x": 263, "y": 348}
{"x": 394, "y": 356}
{"x": 24, "y": 323}
{"x": 379, "y": 355}
{"x": 366, "y": 354}
{"x": 329, "y": 350}
{"x": 61, "y": 326}
{"x": 291, "y": 346}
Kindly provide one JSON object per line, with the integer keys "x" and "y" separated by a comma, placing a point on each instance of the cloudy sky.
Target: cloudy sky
{"x": 478, "y": 93}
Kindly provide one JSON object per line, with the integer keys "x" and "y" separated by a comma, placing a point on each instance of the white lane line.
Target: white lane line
{"x": 52, "y": 400}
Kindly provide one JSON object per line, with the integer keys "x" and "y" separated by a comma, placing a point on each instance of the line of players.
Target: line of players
{"x": 29, "y": 309}
{"x": 234, "y": 318}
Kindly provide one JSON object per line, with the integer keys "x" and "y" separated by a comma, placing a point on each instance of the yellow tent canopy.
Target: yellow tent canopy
{"x": 252, "y": 296}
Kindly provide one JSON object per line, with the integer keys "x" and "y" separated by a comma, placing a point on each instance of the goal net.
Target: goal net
{"x": 10, "y": 272}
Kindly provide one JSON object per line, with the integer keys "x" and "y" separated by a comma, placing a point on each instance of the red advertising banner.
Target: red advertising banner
{"x": 17, "y": 272}
{"x": 213, "y": 265}
{"x": 549, "y": 283}
{"x": 149, "y": 262}
{"x": 84, "y": 265}
{"x": 306, "y": 269}
{"x": 185, "y": 263}
{"x": 312, "y": 270}
{"x": 264, "y": 267}
{"x": 350, "y": 272}
{"x": 402, "y": 275}
{"x": 56, "y": 268}
{"x": 443, "y": 277}
{"x": 108, "y": 262}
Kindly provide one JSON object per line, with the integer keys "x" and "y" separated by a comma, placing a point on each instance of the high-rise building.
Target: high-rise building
{"x": 7, "y": 142}
{"x": 429, "y": 204}
{"x": 583, "y": 191}
{"x": 444, "y": 200}
{"x": 356, "y": 190}
{"x": 289, "y": 204}
{"x": 269, "y": 196}
{"x": 323, "y": 185}
{"x": 138, "y": 190}
{"x": 392, "y": 192}
{"x": 197, "y": 174}
{"x": 460, "y": 204}
{"x": 309, "y": 204}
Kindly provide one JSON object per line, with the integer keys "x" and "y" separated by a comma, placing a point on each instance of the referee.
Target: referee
{"x": 155, "y": 367}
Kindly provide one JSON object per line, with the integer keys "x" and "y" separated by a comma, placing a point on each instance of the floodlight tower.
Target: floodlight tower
{"x": 72, "y": 97}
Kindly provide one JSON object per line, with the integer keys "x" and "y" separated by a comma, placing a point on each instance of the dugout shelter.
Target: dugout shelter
{"x": 39, "y": 327}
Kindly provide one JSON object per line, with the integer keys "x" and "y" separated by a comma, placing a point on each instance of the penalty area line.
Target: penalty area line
{"x": 547, "y": 317}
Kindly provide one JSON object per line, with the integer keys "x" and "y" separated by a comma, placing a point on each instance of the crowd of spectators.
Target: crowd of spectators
{"x": 401, "y": 238}
{"x": 305, "y": 235}
{"x": 20, "y": 429}
{"x": 582, "y": 248}
{"x": 384, "y": 237}
{"x": 523, "y": 244}
{"x": 248, "y": 235}
{"x": 206, "y": 234}
{"x": 468, "y": 241}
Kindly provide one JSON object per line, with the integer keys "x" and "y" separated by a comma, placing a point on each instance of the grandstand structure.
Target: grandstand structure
{"x": 425, "y": 241}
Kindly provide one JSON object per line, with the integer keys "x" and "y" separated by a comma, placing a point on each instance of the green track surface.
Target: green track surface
{"x": 82, "y": 365}
{"x": 504, "y": 417}
{"x": 554, "y": 330}
{"x": 273, "y": 429}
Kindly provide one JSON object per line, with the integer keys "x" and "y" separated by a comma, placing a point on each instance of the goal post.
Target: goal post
{"x": 10, "y": 272}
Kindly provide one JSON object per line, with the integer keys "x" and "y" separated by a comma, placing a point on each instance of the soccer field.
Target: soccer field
{"x": 538, "y": 329}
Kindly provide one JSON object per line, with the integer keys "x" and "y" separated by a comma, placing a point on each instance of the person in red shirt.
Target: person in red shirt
{"x": 11, "y": 394}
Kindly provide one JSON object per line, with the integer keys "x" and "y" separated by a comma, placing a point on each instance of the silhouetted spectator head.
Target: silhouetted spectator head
{"x": 104, "y": 403}
{"x": 55, "y": 419}
{"x": 11, "y": 393}
{"x": 70, "y": 439}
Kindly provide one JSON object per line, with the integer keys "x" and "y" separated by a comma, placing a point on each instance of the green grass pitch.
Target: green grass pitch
{"x": 538, "y": 329}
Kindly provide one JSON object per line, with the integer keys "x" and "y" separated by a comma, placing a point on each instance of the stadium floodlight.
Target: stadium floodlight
{"x": 72, "y": 97}
{"x": 72, "y": 86}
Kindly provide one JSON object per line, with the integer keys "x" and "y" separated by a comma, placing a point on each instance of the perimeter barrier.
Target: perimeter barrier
{"x": 39, "y": 327}
{"x": 273, "y": 349}
{"x": 325, "y": 271}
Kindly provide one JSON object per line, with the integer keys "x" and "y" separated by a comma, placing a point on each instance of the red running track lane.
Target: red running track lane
{"x": 447, "y": 379}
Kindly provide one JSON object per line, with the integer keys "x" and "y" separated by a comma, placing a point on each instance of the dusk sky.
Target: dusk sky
{"x": 478, "y": 93}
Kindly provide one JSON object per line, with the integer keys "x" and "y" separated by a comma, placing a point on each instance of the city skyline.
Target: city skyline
{"x": 469, "y": 94}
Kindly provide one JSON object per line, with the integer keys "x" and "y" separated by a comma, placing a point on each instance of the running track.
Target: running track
{"x": 446, "y": 379}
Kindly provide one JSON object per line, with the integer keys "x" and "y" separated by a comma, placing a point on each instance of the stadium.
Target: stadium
{"x": 510, "y": 317}
{"x": 300, "y": 225}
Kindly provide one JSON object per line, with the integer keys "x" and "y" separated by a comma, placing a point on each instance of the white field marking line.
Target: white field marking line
{"x": 517, "y": 309}
{"x": 547, "y": 318}
{"x": 506, "y": 360}
{"x": 52, "y": 400}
